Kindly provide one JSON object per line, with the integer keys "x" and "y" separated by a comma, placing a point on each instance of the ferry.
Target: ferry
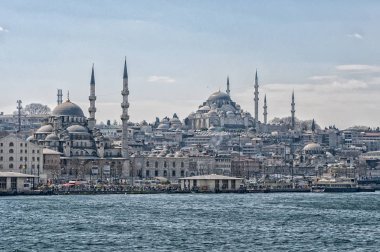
{"x": 335, "y": 185}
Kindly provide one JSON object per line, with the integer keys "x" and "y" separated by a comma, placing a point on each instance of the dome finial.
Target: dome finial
{"x": 68, "y": 95}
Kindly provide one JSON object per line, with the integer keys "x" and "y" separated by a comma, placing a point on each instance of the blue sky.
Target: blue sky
{"x": 179, "y": 52}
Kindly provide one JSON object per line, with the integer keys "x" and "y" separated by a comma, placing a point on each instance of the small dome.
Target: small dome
{"x": 163, "y": 126}
{"x": 77, "y": 129}
{"x": 31, "y": 138}
{"x": 204, "y": 108}
{"x": 45, "y": 129}
{"x": 312, "y": 146}
{"x": 68, "y": 109}
{"x": 219, "y": 96}
{"x": 52, "y": 137}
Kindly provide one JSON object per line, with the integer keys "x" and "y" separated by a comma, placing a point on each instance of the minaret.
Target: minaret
{"x": 125, "y": 116}
{"x": 228, "y": 85}
{"x": 59, "y": 96}
{"x": 92, "y": 98}
{"x": 256, "y": 99}
{"x": 265, "y": 109}
{"x": 293, "y": 111}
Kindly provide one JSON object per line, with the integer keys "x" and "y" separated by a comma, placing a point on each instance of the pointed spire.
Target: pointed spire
{"x": 68, "y": 95}
{"x": 92, "y": 76}
{"x": 313, "y": 126}
{"x": 125, "y": 76}
{"x": 228, "y": 85}
{"x": 256, "y": 78}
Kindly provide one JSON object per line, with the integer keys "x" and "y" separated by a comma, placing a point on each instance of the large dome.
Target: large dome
{"x": 68, "y": 109}
{"x": 219, "y": 96}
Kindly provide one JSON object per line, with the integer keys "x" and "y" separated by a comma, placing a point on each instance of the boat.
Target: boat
{"x": 317, "y": 189}
{"x": 335, "y": 185}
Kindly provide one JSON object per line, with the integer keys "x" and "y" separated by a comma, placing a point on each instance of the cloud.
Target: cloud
{"x": 161, "y": 79}
{"x": 2, "y": 29}
{"x": 358, "y": 68}
{"x": 355, "y": 35}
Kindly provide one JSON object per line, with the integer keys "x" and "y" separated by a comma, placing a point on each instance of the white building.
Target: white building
{"x": 211, "y": 183}
{"x": 18, "y": 155}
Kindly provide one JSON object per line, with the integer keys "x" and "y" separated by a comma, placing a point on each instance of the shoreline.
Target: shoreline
{"x": 47, "y": 193}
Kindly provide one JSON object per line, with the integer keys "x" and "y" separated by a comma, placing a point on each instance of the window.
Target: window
{"x": 156, "y": 164}
{"x": 26, "y": 159}
{"x": 1, "y": 144}
{"x": 182, "y": 165}
{"x": 182, "y": 173}
{"x": 11, "y": 144}
{"x": 165, "y": 164}
{"x": 3, "y": 183}
{"x": 165, "y": 173}
{"x": 20, "y": 144}
{"x": 1, "y": 158}
{"x": 173, "y": 173}
{"x": 10, "y": 166}
{"x": 38, "y": 151}
{"x": 26, "y": 151}
{"x": 32, "y": 151}
{"x": 1, "y": 151}
{"x": 233, "y": 184}
{"x": 20, "y": 158}
{"x": 10, "y": 159}
{"x": 147, "y": 163}
{"x": 11, "y": 151}
{"x": 147, "y": 173}
{"x": 33, "y": 159}
{"x": 26, "y": 145}
{"x": 14, "y": 183}
{"x": 173, "y": 164}
{"x": 155, "y": 173}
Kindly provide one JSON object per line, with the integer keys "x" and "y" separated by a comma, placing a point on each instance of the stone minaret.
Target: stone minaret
{"x": 125, "y": 116}
{"x": 265, "y": 110}
{"x": 59, "y": 96}
{"x": 256, "y": 99}
{"x": 228, "y": 85}
{"x": 92, "y": 98}
{"x": 293, "y": 111}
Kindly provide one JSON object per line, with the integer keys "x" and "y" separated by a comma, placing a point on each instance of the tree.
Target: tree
{"x": 37, "y": 109}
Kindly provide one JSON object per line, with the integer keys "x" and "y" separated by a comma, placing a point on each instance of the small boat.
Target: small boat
{"x": 317, "y": 189}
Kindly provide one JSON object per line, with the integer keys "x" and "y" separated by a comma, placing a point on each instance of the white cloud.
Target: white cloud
{"x": 355, "y": 35}
{"x": 161, "y": 79}
{"x": 358, "y": 68}
{"x": 2, "y": 29}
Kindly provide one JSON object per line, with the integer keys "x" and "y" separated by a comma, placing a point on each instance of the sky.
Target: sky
{"x": 180, "y": 52}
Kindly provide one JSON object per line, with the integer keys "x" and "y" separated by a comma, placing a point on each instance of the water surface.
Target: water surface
{"x": 192, "y": 222}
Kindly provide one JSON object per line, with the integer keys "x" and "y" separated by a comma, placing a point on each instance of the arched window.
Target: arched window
{"x": 10, "y": 159}
{"x": 11, "y": 144}
{"x": 10, "y": 166}
{"x": 147, "y": 163}
{"x": 10, "y": 150}
{"x": 165, "y": 164}
{"x": 165, "y": 173}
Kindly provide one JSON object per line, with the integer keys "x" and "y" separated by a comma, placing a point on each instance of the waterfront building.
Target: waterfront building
{"x": 19, "y": 155}
{"x": 16, "y": 182}
{"x": 211, "y": 183}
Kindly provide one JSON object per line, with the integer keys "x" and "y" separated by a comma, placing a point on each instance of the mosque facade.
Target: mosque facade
{"x": 220, "y": 111}
{"x": 84, "y": 149}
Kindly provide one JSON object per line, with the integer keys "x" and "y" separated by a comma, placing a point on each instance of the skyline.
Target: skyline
{"x": 179, "y": 53}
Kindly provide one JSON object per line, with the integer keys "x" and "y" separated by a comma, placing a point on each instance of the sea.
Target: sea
{"x": 192, "y": 222}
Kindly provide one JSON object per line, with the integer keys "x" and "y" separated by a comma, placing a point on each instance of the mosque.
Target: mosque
{"x": 220, "y": 111}
{"x": 83, "y": 147}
